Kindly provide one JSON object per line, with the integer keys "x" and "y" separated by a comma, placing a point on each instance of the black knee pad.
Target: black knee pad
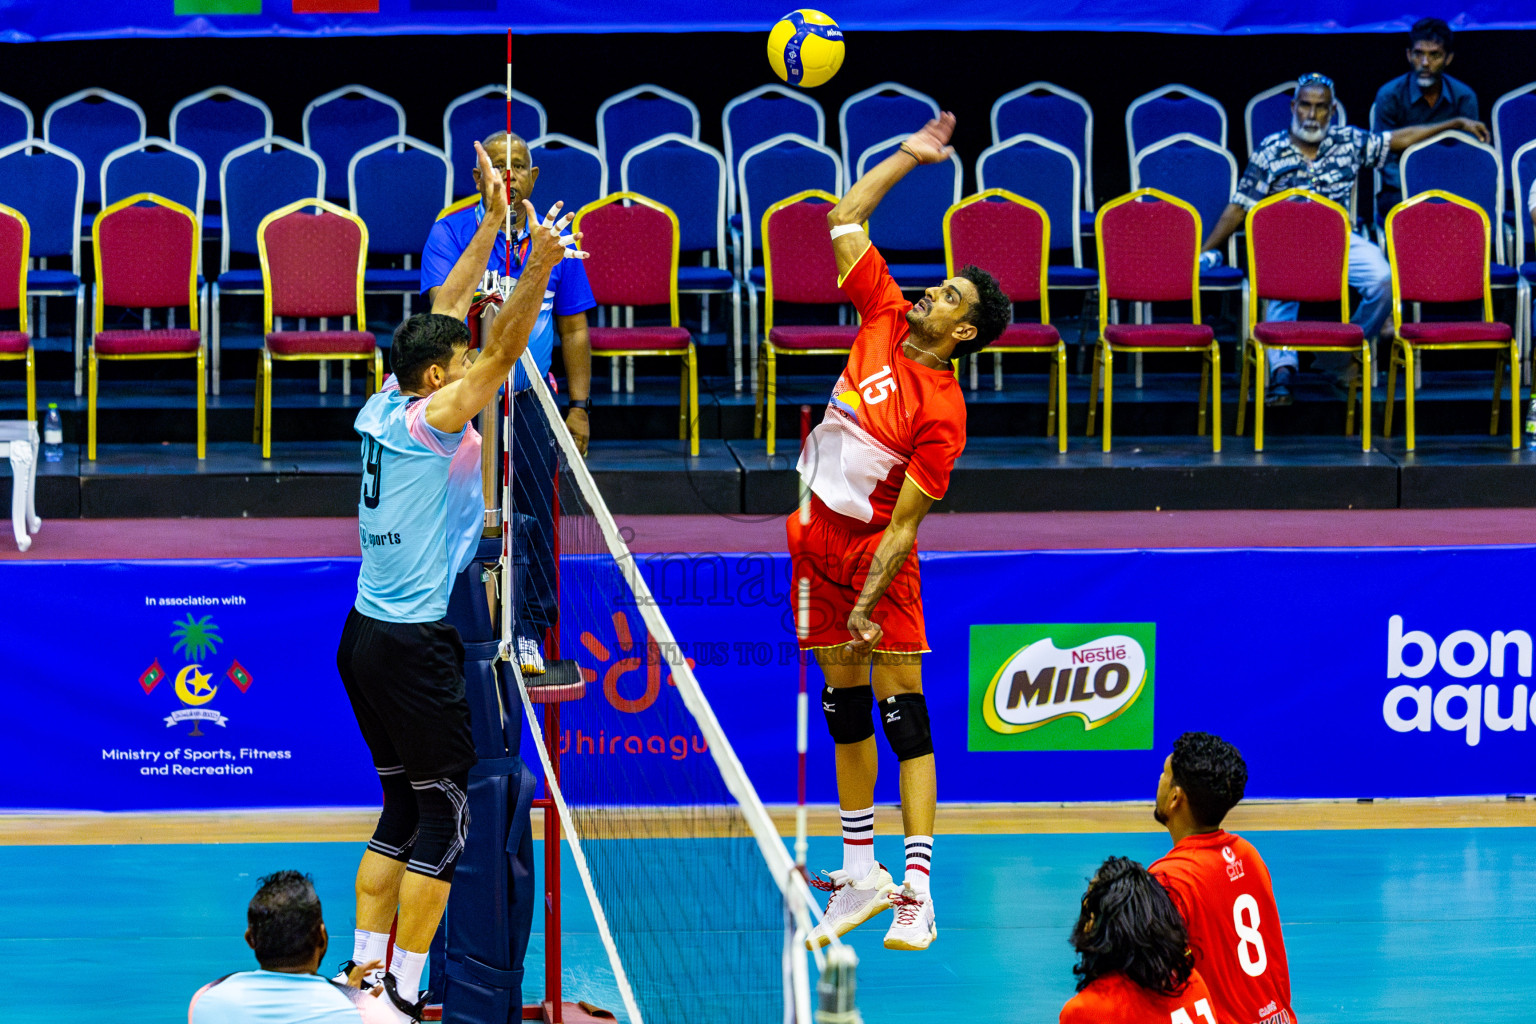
{"x": 442, "y": 808}
{"x": 905, "y": 717}
{"x": 395, "y": 834}
{"x": 848, "y": 712}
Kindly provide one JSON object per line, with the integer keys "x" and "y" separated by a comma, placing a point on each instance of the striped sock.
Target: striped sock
{"x": 919, "y": 856}
{"x": 859, "y": 843}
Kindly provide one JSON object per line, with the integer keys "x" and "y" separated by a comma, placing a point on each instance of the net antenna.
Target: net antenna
{"x": 632, "y": 824}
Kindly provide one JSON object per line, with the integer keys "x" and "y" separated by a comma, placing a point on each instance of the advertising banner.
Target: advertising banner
{"x": 23, "y": 21}
{"x": 1054, "y": 676}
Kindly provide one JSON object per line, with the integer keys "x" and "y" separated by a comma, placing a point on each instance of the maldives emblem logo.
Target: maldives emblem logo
{"x": 196, "y": 641}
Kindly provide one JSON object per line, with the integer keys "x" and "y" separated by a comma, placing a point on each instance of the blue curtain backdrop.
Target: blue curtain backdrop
{"x": 24, "y": 21}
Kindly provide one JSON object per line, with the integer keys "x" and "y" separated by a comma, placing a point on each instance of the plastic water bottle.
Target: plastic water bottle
{"x": 1210, "y": 260}
{"x": 1530, "y": 426}
{"x": 53, "y": 435}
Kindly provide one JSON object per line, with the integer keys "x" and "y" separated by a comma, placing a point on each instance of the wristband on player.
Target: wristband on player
{"x": 846, "y": 229}
{"x": 909, "y": 151}
{"x": 584, "y": 404}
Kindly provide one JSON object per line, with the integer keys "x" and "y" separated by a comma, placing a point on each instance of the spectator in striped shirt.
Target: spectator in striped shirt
{"x": 1324, "y": 159}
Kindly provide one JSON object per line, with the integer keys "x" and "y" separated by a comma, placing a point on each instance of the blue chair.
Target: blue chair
{"x": 254, "y": 180}
{"x": 569, "y": 170}
{"x": 343, "y": 121}
{"x": 762, "y": 114}
{"x": 628, "y": 118}
{"x": 1270, "y": 112}
{"x": 213, "y": 122}
{"x": 1204, "y": 175}
{"x": 1169, "y": 111}
{"x": 90, "y": 124}
{"x": 879, "y": 112}
{"x": 1047, "y": 111}
{"x": 911, "y": 217}
{"x": 1514, "y": 124}
{"x": 775, "y": 169}
{"x": 1523, "y": 172}
{"x": 689, "y": 177}
{"x": 397, "y": 186}
{"x": 475, "y": 117}
{"x": 15, "y": 120}
{"x": 1046, "y": 173}
{"x": 47, "y": 187}
{"x": 160, "y": 167}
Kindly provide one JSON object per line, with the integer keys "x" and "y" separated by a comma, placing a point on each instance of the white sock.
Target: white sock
{"x": 859, "y": 843}
{"x": 368, "y": 946}
{"x": 919, "y": 857}
{"x": 407, "y": 967}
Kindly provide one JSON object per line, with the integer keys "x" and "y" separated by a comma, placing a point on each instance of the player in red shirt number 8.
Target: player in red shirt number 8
{"x": 875, "y": 465}
{"x": 1221, "y": 885}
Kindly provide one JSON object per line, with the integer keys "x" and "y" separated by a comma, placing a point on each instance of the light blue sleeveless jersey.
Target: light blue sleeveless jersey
{"x": 402, "y": 514}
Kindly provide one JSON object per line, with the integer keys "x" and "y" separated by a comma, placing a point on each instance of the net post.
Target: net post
{"x": 835, "y": 991}
{"x": 802, "y": 632}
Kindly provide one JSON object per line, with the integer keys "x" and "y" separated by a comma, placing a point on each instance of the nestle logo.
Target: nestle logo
{"x": 1092, "y": 654}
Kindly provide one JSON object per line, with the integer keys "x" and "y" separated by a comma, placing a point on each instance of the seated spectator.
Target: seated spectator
{"x": 1317, "y": 155}
{"x": 1133, "y": 960}
{"x": 285, "y": 930}
{"x": 1425, "y": 95}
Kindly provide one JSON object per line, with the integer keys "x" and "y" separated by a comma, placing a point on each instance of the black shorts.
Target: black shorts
{"x": 406, "y": 684}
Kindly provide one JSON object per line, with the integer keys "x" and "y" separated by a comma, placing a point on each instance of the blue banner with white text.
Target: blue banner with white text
{"x": 24, "y": 21}
{"x": 1055, "y": 676}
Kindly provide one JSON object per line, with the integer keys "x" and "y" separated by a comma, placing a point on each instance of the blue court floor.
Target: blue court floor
{"x": 1385, "y": 925}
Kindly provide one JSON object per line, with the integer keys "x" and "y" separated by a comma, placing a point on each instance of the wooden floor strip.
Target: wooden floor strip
{"x": 352, "y": 825}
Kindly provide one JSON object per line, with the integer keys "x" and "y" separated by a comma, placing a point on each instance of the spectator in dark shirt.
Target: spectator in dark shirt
{"x": 1425, "y": 95}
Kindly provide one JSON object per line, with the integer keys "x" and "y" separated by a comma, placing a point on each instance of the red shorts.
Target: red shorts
{"x": 837, "y": 560}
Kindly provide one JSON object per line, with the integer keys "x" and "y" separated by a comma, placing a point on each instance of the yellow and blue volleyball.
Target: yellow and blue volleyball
{"x": 805, "y": 48}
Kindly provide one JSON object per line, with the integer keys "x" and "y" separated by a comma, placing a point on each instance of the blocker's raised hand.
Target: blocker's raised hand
{"x": 930, "y": 144}
{"x": 494, "y": 189}
{"x": 572, "y": 242}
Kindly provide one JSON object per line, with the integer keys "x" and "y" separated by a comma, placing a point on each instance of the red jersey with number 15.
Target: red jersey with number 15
{"x": 1221, "y": 886}
{"x": 890, "y": 417}
{"x": 1116, "y": 998}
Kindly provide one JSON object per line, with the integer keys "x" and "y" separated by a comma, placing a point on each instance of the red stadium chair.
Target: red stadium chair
{"x": 1438, "y": 246}
{"x": 1298, "y": 251}
{"x": 1010, "y": 237}
{"x": 146, "y": 257}
{"x": 15, "y": 251}
{"x": 1149, "y": 251}
{"x": 800, "y": 267}
{"x": 633, "y": 262}
{"x": 311, "y": 267}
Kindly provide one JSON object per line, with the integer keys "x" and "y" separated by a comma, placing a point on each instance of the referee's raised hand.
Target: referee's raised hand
{"x": 494, "y": 190}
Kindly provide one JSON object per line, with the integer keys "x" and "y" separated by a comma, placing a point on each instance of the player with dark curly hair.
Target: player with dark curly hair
{"x": 875, "y": 465}
{"x": 1133, "y": 960}
{"x": 1220, "y": 884}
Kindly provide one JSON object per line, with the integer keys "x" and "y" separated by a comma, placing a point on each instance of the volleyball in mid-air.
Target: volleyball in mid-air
{"x": 805, "y": 48}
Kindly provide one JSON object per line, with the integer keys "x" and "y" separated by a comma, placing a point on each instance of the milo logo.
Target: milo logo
{"x": 1062, "y": 687}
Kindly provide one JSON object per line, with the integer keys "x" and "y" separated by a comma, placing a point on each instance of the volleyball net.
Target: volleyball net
{"x": 697, "y": 905}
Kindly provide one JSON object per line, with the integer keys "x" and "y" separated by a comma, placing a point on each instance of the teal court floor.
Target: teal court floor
{"x": 1383, "y": 925}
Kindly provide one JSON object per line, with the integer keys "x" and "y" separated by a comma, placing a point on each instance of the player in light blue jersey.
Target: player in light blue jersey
{"x": 401, "y": 663}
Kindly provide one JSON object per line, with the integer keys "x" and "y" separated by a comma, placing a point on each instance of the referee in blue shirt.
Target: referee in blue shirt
{"x": 564, "y": 311}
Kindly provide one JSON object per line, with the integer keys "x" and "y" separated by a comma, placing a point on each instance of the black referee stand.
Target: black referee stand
{"x": 476, "y": 961}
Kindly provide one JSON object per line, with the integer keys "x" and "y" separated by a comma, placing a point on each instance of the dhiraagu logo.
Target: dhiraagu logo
{"x": 1065, "y": 686}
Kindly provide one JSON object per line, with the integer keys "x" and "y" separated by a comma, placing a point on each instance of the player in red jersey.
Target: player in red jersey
{"x": 875, "y": 465}
{"x": 1133, "y": 960}
{"x": 1220, "y": 884}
